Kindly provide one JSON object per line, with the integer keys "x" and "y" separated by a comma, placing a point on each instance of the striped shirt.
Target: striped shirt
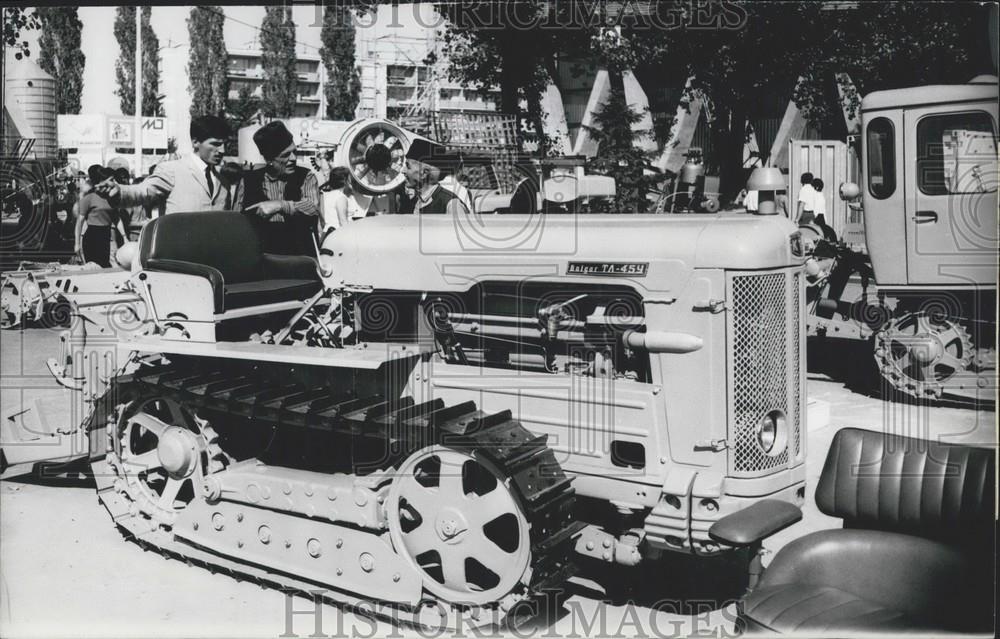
{"x": 274, "y": 189}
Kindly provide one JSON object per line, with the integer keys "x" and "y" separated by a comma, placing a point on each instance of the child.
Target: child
{"x": 806, "y": 205}
{"x": 819, "y": 209}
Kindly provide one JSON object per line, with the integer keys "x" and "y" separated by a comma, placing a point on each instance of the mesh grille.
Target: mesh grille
{"x": 796, "y": 321}
{"x": 765, "y": 364}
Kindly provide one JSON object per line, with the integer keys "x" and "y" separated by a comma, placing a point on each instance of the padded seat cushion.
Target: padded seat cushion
{"x": 916, "y": 552}
{"x": 853, "y": 579}
{"x": 225, "y": 249}
{"x": 223, "y": 240}
{"x": 789, "y": 608}
{"x": 928, "y": 488}
{"x": 244, "y": 294}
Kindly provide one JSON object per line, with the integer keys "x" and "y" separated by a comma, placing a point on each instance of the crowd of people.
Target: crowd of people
{"x": 59, "y": 213}
{"x": 91, "y": 212}
{"x": 293, "y": 207}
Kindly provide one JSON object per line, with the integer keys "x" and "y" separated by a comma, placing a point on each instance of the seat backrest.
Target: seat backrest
{"x": 223, "y": 240}
{"x": 890, "y": 482}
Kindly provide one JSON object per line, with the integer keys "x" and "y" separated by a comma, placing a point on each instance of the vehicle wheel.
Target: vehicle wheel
{"x": 453, "y": 517}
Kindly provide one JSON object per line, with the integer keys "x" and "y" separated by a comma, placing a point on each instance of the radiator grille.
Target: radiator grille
{"x": 796, "y": 362}
{"x": 764, "y": 367}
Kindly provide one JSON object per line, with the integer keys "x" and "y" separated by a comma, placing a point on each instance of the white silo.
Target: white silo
{"x": 34, "y": 91}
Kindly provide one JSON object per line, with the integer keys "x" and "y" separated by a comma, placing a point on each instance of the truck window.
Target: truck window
{"x": 881, "y": 158}
{"x": 956, "y": 153}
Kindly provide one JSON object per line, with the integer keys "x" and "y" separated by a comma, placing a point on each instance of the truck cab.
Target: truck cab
{"x": 929, "y": 162}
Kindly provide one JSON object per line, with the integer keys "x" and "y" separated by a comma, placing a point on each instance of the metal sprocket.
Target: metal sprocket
{"x": 541, "y": 491}
{"x": 160, "y": 453}
{"x": 453, "y": 515}
{"x": 918, "y": 353}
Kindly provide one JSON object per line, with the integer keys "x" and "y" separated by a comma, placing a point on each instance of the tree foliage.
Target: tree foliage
{"x": 738, "y": 53}
{"x": 125, "y": 66}
{"x": 768, "y": 47}
{"x": 208, "y": 61}
{"x": 343, "y": 85}
{"x": 890, "y": 45}
{"x": 618, "y": 155}
{"x": 277, "y": 39}
{"x": 15, "y": 21}
{"x": 513, "y": 46}
{"x": 60, "y": 55}
{"x": 240, "y": 112}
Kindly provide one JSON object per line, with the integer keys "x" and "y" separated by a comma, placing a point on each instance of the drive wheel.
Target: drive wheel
{"x": 919, "y": 353}
{"x": 160, "y": 453}
{"x": 453, "y": 516}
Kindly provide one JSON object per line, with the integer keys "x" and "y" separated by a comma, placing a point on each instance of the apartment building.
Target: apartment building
{"x": 246, "y": 71}
{"x": 396, "y": 80}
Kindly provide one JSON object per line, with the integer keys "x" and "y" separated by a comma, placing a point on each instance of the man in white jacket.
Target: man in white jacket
{"x": 191, "y": 183}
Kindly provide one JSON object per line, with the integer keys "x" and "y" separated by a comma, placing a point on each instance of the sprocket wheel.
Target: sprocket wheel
{"x": 918, "y": 353}
{"x": 160, "y": 453}
{"x": 453, "y": 516}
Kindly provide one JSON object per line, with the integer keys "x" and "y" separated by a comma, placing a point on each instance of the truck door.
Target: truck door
{"x": 951, "y": 194}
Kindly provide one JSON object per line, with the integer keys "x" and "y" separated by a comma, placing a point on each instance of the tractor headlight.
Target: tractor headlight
{"x": 771, "y": 432}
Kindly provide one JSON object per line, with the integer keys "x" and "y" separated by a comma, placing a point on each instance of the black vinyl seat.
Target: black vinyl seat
{"x": 916, "y": 553}
{"x": 225, "y": 249}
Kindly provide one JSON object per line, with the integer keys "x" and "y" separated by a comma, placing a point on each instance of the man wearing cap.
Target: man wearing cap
{"x": 283, "y": 197}
{"x": 424, "y": 159}
{"x": 188, "y": 184}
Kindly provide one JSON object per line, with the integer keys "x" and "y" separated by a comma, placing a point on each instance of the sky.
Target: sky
{"x": 170, "y": 24}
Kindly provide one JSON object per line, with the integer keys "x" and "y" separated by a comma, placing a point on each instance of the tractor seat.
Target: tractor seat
{"x": 915, "y": 553}
{"x": 224, "y": 248}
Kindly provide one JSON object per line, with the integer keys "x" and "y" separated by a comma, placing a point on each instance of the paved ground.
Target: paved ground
{"x": 66, "y": 572}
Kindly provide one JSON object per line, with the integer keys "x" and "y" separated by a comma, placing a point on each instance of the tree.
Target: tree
{"x": 277, "y": 40}
{"x": 15, "y": 21}
{"x": 761, "y": 48}
{"x": 125, "y": 66}
{"x": 343, "y": 86}
{"x": 239, "y": 113}
{"x": 618, "y": 155}
{"x": 514, "y": 46}
{"x": 208, "y": 61}
{"x": 889, "y": 45}
{"x": 753, "y": 50}
{"x": 60, "y": 55}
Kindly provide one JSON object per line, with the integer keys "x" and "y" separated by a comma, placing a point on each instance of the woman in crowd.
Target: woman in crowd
{"x": 337, "y": 202}
{"x": 94, "y": 245}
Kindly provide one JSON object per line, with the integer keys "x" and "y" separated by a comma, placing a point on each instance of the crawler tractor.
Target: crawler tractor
{"x": 926, "y": 301}
{"x": 441, "y": 414}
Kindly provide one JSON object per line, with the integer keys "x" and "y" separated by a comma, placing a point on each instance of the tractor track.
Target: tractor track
{"x": 543, "y": 490}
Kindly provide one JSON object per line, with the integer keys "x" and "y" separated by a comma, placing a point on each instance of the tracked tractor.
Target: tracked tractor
{"x": 924, "y": 296}
{"x": 441, "y": 414}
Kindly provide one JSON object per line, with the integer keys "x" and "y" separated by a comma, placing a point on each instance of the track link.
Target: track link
{"x": 544, "y": 491}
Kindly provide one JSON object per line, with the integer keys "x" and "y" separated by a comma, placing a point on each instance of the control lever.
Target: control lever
{"x": 551, "y": 316}
{"x": 549, "y": 319}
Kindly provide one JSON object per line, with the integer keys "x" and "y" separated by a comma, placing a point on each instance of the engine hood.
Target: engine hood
{"x": 435, "y": 252}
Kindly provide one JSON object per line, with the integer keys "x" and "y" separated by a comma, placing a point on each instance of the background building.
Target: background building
{"x": 246, "y": 71}
{"x": 396, "y": 82}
